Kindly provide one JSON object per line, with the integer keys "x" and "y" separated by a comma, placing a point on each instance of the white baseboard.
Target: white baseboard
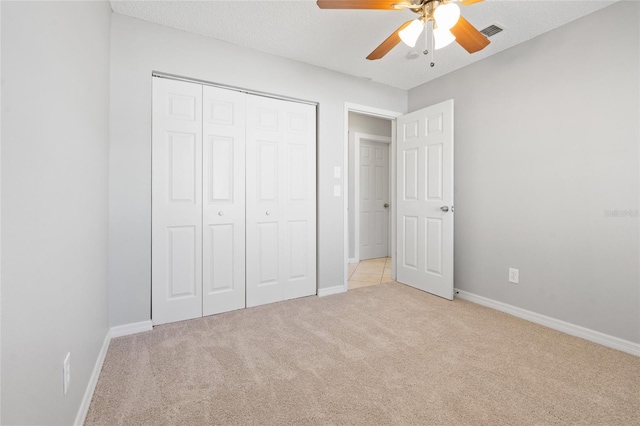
{"x": 121, "y": 330}
{"x": 556, "y": 324}
{"x": 93, "y": 381}
{"x": 133, "y": 328}
{"x": 331, "y": 290}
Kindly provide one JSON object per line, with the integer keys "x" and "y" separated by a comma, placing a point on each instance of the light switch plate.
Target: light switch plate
{"x": 336, "y": 172}
{"x": 336, "y": 190}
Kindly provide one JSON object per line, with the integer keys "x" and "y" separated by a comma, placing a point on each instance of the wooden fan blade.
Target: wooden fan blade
{"x": 468, "y": 37}
{"x": 388, "y": 44}
{"x": 469, "y": 2}
{"x": 359, "y": 4}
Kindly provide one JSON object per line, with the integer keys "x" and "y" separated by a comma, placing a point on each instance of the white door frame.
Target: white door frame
{"x": 357, "y": 137}
{"x": 380, "y": 113}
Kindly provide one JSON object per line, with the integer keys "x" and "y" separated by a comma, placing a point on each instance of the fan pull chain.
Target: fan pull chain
{"x": 426, "y": 38}
{"x": 429, "y": 30}
{"x": 433, "y": 47}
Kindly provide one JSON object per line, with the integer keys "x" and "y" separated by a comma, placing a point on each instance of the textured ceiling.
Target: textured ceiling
{"x": 341, "y": 39}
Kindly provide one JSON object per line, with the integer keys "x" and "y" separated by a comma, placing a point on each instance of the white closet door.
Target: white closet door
{"x": 176, "y": 248}
{"x": 281, "y": 204}
{"x": 223, "y": 200}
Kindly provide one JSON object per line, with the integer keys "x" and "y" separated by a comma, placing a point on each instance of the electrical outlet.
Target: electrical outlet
{"x": 66, "y": 372}
{"x": 514, "y": 275}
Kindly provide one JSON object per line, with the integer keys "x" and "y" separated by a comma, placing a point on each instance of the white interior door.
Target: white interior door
{"x": 281, "y": 205}
{"x": 176, "y": 208}
{"x": 374, "y": 199}
{"x": 223, "y": 195}
{"x": 425, "y": 199}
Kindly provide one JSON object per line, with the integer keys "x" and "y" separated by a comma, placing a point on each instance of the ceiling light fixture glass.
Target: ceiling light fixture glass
{"x": 442, "y": 37}
{"x": 447, "y": 15}
{"x": 410, "y": 34}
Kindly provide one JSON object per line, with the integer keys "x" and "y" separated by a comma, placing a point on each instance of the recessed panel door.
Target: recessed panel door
{"x": 176, "y": 237}
{"x": 223, "y": 262}
{"x": 374, "y": 199}
{"x": 425, "y": 199}
{"x": 281, "y": 204}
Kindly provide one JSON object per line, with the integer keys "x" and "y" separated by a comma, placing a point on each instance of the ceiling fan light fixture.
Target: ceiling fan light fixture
{"x": 447, "y": 15}
{"x": 442, "y": 37}
{"x": 410, "y": 34}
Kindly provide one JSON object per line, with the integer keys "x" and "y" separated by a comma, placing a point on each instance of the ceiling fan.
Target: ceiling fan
{"x": 448, "y": 24}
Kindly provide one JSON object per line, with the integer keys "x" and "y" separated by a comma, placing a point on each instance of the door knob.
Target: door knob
{"x": 386, "y": 205}
{"x": 444, "y": 209}
{"x": 220, "y": 213}
{"x": 267, "y": 213}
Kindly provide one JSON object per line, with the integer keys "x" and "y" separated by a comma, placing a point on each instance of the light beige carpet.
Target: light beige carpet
{"x": 385, "y": 354}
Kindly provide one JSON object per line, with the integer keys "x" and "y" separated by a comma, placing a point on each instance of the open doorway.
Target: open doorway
{"x": 424, "y": 177}
{"x": 369, "y": 199}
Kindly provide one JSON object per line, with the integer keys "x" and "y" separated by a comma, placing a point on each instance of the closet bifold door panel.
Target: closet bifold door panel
{"x": 176, "y": 207}
{"x": 233, "y": 200}
{"x": 281, "y": 200}
{"x": 223, "y": 197}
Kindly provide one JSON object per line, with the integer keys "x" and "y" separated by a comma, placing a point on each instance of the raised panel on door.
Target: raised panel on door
{"x": 182, "y": 261}
{"x": 182, "y": 159}
{"x": 425, "y": 199}
{"x": 434, "y": 249}
{"x": 268, "y": 265}
{"x": 268, "y": 177}
{"x": 297, "y": 244}
{"x": 409, "y": 178}
{"x": 409, "y": 247}
{"x": 176, "y": 235}
{"x": 223, "y": 200}
{"x": 280, "y": 191}
{"x": 434, "y": 172}
{"x": 300, "y": 269}
{"x": 365, "y": 233}
{"x": 298, "y": 176}
{"x": 220, "y": 259}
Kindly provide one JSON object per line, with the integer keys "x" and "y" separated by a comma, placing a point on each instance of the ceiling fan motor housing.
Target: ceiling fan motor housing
{"x": 452, "y": 25}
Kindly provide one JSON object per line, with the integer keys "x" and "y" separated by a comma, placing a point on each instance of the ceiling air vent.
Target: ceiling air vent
{"x": 491, "y": 30}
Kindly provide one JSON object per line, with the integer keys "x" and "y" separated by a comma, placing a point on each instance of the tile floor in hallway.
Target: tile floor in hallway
{"x": 369, "y": 272}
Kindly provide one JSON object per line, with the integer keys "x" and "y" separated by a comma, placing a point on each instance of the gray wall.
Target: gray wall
{"x": 55, "y": 78}
{"x": 547, "y": 140}
{"x": 368, "y": 124}
{"x": 137, "y": 49}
